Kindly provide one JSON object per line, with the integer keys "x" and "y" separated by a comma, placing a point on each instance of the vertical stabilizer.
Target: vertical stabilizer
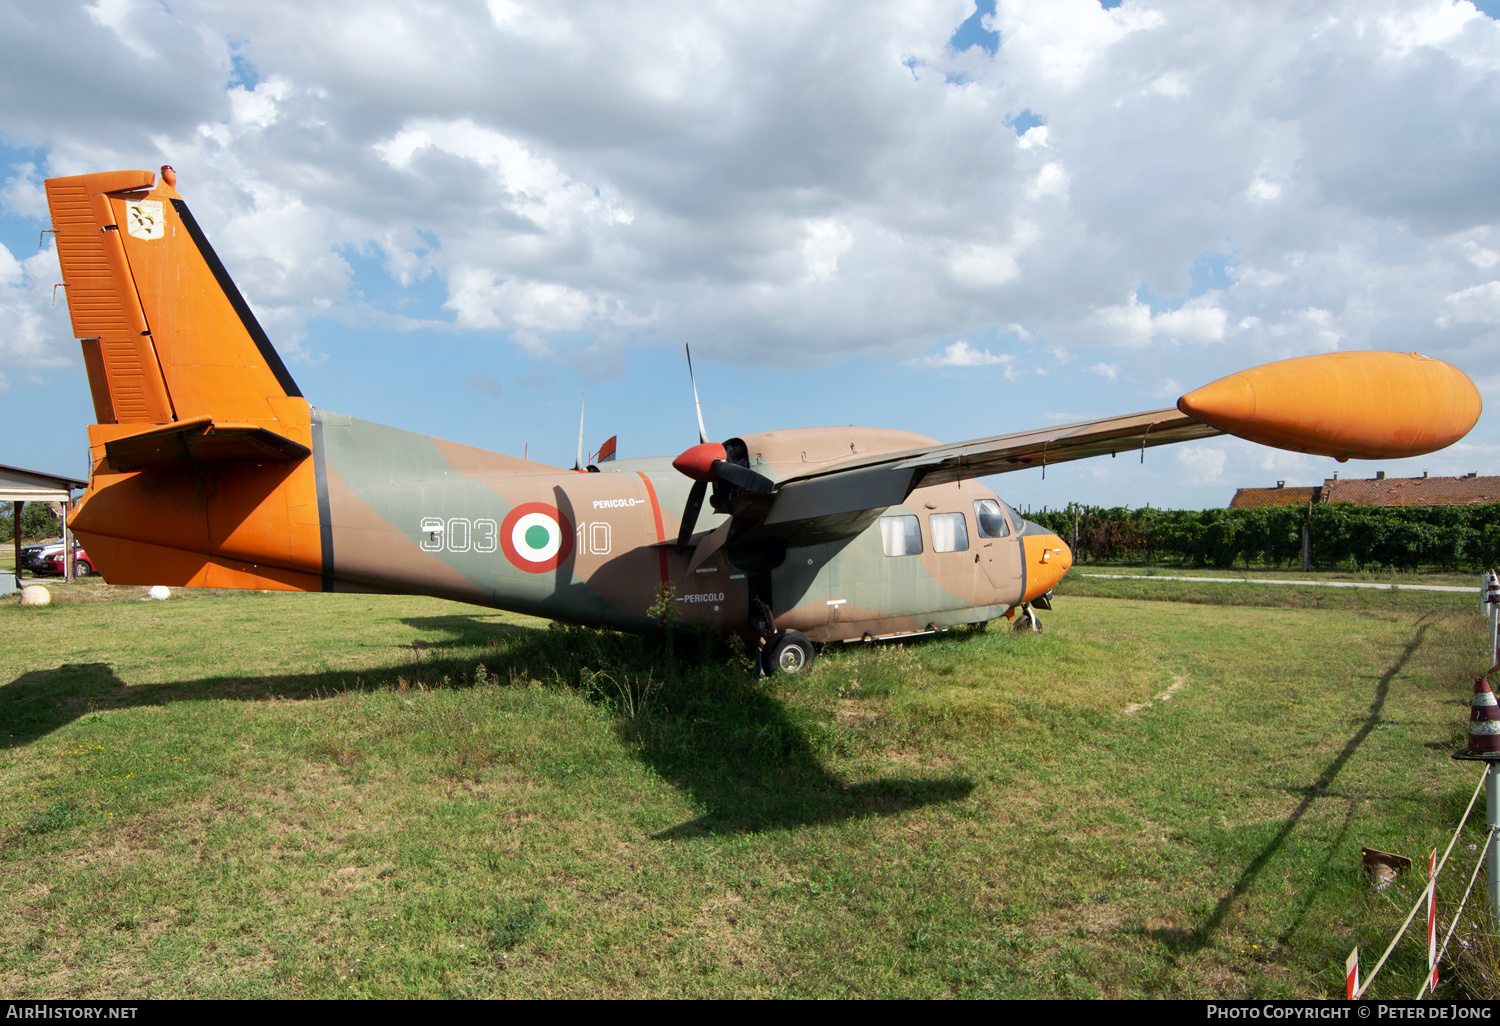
{"x": 175, "y": 338}
{"x": 202, "y": 468}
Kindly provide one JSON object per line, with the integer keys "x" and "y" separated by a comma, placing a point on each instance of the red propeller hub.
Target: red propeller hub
{"x": 698, "y": 462}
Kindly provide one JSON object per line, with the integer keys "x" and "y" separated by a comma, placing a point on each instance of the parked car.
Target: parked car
{"x": 82, "y": 565}
{"x": 34, "y": 557}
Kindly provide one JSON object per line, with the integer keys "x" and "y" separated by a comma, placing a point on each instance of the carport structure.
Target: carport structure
{"x": 19, "y": 487}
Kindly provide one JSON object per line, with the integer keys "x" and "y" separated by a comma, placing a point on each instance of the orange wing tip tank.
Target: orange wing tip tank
{"x": 1371, "y": 405}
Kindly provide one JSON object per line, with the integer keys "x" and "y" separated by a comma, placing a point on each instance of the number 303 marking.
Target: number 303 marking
{"x": 458, "y": 535}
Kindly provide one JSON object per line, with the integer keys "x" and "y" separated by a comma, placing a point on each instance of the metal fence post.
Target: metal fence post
{"x": 1489, "y": 602}
{"x": 1492, "y": 822}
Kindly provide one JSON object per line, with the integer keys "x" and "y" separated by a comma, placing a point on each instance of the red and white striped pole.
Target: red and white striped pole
{"x": 1351, "y": 975}
{"x": 1432, "y": 920}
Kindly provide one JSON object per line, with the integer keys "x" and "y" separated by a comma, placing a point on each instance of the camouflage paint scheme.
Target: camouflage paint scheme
{"x": 210, "y": 469}
{"x": 381, "y": 486}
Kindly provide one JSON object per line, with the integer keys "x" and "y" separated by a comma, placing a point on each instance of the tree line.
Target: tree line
{"x": 39, "y": 521}
{"x": 1403, "y": 537}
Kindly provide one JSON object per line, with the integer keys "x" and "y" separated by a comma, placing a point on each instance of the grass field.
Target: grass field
{"x": 318, "y": 795}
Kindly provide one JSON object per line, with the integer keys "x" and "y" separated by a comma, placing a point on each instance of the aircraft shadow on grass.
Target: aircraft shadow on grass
{"x": 1187, "y": 941}
{"x": 735, "y": 750}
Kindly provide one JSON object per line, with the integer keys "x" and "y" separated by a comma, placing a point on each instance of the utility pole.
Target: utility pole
{"x": 1307, "y": 539}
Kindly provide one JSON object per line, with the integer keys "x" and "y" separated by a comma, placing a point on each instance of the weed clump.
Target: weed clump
{"x": 56, "y": 816}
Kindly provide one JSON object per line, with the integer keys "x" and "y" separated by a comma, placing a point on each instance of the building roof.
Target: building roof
{"x": 17, "y": 485}
{"x": 1377, "y": 491}
{"x": 1258, "y": 498}
{"x": 1413, "y": 491}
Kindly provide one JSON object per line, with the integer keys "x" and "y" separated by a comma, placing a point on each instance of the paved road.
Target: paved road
{"x": 1305, "y": 584}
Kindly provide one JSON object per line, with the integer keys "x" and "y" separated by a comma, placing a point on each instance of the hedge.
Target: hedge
{"x": 1405, "y": 537}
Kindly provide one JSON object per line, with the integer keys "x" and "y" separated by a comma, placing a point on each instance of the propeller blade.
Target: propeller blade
{"x": 690, "y": 514}
{"x": 742, "y": 477}
{"x": 578, "y": 460}
{"x": 708, "y": 546}
{"x": 702, "y": 434}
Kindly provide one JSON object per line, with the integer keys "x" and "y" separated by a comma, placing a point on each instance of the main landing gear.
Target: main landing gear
{"x": 787, "y": 652}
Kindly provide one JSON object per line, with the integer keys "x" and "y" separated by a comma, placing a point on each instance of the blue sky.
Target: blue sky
{"x": 955, "y": 220}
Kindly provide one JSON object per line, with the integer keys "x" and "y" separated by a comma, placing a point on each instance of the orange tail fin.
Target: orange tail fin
{"x": 202, "y": 468}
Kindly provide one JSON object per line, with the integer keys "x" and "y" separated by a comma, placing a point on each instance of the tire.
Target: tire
{"x": 82, "y": 569}
{"x": 1024, "y": 622}
{"x": 789, "y": 653}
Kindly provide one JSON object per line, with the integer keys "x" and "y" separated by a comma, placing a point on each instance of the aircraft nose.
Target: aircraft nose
{"x": 1048, "y": 558}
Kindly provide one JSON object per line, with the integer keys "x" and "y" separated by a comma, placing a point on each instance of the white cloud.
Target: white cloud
{"x": 1481, "y": 257}
{"x": 482, "y": 302}
{"x": 788, "y": 183}
{"x": 827, "y": 240}
{"x": 1204, "y": 463}
{"x": 33, "y": 332}
{"x": 10, "y": 268}
{"x": 123, "y": 18}
{"x": 1051, "y": 180}
{"x": 22, "y": 193}
{"x": 1263, "y": 190}
{"x": 1312, "y": 330}
{"x": 1034, "y": 137}
{"x": 1476, "y": 303}
{"x": 1111, "y": 371}
{"x": 961, "y": 354}
{"x": 1198, "y": 320}
{"x": 1126, "y": 324}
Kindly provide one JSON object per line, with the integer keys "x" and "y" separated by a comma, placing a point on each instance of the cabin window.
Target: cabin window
{"x": 901, "y": 536}
{"x": 991, "y": 519}
{"x": 949, "y": 532}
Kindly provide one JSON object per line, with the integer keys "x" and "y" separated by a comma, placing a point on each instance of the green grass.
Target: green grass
{"x": 230, "y": 795}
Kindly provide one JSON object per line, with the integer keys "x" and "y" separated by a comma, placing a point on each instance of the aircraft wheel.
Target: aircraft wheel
{"x": 789, "y": 652}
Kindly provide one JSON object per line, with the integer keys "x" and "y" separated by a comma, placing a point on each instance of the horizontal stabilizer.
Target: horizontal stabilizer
{"x": 201, "y": 440}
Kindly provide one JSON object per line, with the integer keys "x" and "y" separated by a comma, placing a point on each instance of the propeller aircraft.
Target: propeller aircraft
{"x": 210, "y": 469}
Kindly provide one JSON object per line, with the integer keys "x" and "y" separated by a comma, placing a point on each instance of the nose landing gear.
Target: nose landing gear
{"x": 1026, "y": 619}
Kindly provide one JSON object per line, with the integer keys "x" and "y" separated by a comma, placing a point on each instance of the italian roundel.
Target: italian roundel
{"x": 536, "y": 537}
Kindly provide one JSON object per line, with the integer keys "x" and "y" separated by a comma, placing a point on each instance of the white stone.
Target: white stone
{"x": 35, "y": 595}
{"x": 159, "y": 592}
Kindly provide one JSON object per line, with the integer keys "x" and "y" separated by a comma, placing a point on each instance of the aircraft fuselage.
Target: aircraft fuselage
{"x": 400, "y": 512}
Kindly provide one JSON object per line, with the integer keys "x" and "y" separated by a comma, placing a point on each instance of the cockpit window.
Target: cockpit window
{"x": 949, "y": 532}
{"x": 991, "y": 519}
{"x": 901, "y": 536}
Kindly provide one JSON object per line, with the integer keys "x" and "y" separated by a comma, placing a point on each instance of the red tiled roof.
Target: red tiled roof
{"x": 1414, "y": 491}
{"x": 1257, "y": 498}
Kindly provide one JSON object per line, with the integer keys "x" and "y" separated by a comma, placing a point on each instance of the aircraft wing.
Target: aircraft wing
{"x": 1370, "y": 405}
{"x": 844, "y": 498}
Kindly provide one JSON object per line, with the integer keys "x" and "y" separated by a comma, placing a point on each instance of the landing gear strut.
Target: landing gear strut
{"x": 787, "y": 652}
{"x": 1026, "y": 619}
